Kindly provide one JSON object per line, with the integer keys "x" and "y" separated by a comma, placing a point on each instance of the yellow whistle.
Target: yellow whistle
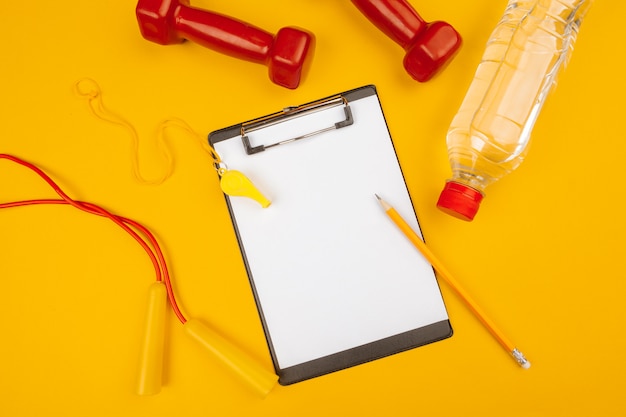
{"x": 234, "y": 183}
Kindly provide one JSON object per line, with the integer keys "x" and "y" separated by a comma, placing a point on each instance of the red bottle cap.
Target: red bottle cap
{"x": 459, "y": 200}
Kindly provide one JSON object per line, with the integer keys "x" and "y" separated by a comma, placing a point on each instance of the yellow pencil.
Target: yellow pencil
{"x": 447, "y": 277}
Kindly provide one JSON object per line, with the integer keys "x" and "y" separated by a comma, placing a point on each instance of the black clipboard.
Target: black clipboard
{"x": 335, "y": 283}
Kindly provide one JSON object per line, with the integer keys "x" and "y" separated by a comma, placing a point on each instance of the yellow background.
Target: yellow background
{"x": 545, "y": 257}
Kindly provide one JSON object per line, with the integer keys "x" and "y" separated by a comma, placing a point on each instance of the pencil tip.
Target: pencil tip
{"x": 377, "y": 196}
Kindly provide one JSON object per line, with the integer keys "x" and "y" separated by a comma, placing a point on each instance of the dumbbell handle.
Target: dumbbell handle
{"x": 223, "y": 34}
{"x": 395, "y": 18}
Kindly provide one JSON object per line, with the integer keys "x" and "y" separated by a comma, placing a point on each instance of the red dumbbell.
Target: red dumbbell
{"x": 428, "y": 46}
{"x": 173, "y": 21}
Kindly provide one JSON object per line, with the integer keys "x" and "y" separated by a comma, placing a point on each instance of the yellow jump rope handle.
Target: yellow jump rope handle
{"x": 151, "y": 359}
{"x": 246, "y": 367}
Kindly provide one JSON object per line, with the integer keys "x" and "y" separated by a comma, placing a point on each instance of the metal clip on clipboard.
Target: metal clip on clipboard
{"x": 290, "y": 113}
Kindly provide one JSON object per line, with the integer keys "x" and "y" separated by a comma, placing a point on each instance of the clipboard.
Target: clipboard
{"x": 336, "y": 285}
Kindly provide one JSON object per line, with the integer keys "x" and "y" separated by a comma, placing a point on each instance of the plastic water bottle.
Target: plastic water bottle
{"x": 489, "y": 136}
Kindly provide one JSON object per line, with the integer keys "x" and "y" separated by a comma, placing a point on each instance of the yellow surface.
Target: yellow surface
{"x": 545, "y": 257}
